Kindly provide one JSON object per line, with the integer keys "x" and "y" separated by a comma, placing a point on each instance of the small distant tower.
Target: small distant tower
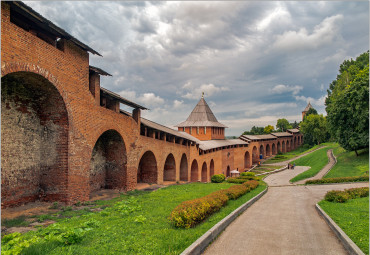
{"x": 306, "y": 110}
{"x": 202, "y": 123}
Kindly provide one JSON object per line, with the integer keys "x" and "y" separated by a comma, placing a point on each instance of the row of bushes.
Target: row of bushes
{"x": 338, "y": 196}
{"x": 241, "y": 179}
{"x": 218, "y": 178}
{"x": 339, "y": 179}
{"x": 190, "y": 213}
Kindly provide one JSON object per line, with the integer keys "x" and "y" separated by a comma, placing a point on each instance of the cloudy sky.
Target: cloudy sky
{"x": 256, "y": 62}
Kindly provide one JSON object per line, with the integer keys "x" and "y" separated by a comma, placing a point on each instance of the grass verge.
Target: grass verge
{"x": 316, "y": 160}
{"x": 353, "y": 218}
{"x": 348, "y": 164}
{"x": 135, "y": 223}
{"x": 292, "y": 154}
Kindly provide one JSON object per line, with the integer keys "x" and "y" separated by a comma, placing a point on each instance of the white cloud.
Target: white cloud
{"x": 147, "y": 99}
{"x": 323, "y": 34}
{"x": 281, "y": 88}
{"x": 195, "y": 92}
{"x": 150, "y": 99}
{"x": 320, "y": 102}
{"x": 279, "y": 14}
{"x": 177, "y": 104}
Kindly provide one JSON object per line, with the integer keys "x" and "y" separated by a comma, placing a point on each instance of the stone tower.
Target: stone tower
{"x": 306, "y": 109}
{"x": 202, "y": 123}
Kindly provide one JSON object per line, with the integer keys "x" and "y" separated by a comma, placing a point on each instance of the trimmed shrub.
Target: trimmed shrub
{"x": 249, "y": 178}
{"x": 252, "y": 184}
{"x": 358, "y": 192}
{"x": 247, "y": 174}
{"x": 338, "y": 196}
{"x": 218, "y": 178}
{"x": 236, "y": 191}
{"x": 235, "y": 180}
{"x": 339, "y": 180}
{"x": 190, "y": 213}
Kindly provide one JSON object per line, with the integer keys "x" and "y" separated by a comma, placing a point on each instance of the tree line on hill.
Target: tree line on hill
{"x": 347, "y": 107}
{"x": 281, "y": 126}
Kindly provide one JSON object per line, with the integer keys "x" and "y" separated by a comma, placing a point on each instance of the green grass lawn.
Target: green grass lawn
{"x": 316, "y": 160}
{"x": 349, "y": 164}
{"x": 291, "y": 154}
{"x": 353, "y": 218}
{"x": 135, "y": 223}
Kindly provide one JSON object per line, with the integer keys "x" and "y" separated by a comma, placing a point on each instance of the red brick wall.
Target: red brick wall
{"x": 79, "y": 155}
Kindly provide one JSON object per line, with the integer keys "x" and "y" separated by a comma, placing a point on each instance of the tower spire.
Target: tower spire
{"x": 202, "y": 94}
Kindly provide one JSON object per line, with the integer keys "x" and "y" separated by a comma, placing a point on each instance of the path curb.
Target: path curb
{"x": 348, "y": 244}
{"x": 202, "y": 242}
{"x": 273, "y": 172}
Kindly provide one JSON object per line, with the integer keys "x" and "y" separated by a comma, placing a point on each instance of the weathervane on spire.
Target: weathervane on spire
{"x": 202, "y": 94}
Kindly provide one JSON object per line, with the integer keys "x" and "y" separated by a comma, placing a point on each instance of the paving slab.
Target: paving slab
{"x": 283, "y": 221}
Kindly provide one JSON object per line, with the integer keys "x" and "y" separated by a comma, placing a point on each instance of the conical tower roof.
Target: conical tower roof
{"x": 201, "y": 116}
{"x": 307, "y": 107}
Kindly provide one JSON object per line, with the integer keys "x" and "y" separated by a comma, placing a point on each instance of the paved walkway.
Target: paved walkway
{"x": 283, "y": 221}
{"x": 323, "y": 171}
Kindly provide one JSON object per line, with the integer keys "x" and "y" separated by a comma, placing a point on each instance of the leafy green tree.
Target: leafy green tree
{"x": 314, "y": 129}
{"x": 268, "y": 129}
{"x": 347, "y": 104}
{"x": 282, "y": 125}
{"x": 295, "y": 124}
{"x": 254, "y": 131}
{"x": 310, "y": 111}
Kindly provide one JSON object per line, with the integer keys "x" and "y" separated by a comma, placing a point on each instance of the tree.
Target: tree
{"x": 314, "y": 129}
{"x": 295, "y": 124}
{"x": 310, "y": 111}
{"x": 268, "y": 129}
{"x": 282, "y": 125}
{"x": 347, "y": 104}
{"x": 254, "y": 131}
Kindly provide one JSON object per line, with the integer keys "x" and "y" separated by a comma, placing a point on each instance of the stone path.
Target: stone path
{"x": 323, "y": 171}
{"x": 284, "y": 221}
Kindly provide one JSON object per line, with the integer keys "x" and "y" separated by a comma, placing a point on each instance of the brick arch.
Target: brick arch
{"x": 247, "y": 160}
{"x": 287, "y": 145}
{"x": 204, "y": 172}
{"x": 211, "y": 168}
{"x": 184, "y": 168}
{"x": 268, "y": 150}
{"x": 35, "y": 127}
{"x": 194, "y": 171}
{"x": 228, "y": 171}
{"x": 13, "y": 67}
{"x": 108, "y": 163}
{"x": 262, "y": 151}
{"x": 278, "y": 147}
{"x": 255, "y": 156}
{"x": 273, "y": 149}
{"x": 283, "y": 148}
{"x": 147, "y": 171}
{"x": 169, "y": 170}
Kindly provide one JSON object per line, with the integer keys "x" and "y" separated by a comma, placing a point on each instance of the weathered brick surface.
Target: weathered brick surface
{"x": 59, "y": 144}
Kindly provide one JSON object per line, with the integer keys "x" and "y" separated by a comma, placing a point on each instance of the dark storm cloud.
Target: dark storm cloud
{"x": 255, "y": 61}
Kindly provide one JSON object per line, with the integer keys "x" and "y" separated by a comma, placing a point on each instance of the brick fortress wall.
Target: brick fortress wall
{"x": 60, "y": 144}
